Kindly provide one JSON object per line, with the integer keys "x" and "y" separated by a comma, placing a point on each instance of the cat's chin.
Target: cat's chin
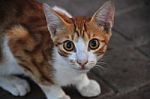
{"x": 81, "y": 70}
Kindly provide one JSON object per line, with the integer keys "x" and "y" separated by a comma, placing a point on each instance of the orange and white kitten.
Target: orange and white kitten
{"x": 51, "y": 47}
{"x": 79, "y": 42}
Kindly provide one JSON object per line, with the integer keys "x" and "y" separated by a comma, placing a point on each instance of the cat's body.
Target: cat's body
{"x": 25, "y": 44}
{"x": 24, "y": 28}
{"x": 59, "y": 57}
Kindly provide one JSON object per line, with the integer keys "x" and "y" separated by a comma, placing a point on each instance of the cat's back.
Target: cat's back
{"x": 11, "y": 11}
{"x": 26, "y": 15}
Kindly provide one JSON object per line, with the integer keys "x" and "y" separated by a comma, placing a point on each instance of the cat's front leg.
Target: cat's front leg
{"x": 54, "y": 92}
{"x": 15, "y": 85}
{"x": 87, "y": 87}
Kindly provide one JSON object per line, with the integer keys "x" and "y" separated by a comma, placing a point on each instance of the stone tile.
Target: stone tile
{"x": 117, "y": 41}
{"x": 141, "y": 93}
{"x": 125, "y": 6}
{"x": 145, "y": 49}
{"x": 133, "y": 20}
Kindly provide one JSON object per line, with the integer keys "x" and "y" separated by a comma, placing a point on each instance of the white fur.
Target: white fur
{"x": 86, "y": 87}
{"x": 65, "y": 69}
{"x": 66, "y": 75}
{"x": 14, "y": 85}
{"x": 61, "y": 10}
{"x": 81, "y": 49}
{"x": 9, "y": 66}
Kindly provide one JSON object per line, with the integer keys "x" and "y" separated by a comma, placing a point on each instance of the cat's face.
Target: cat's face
{"x": 82, "y": 46}
{"x": 80, "y": 42}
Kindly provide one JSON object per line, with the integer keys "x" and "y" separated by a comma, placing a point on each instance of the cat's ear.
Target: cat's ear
{"x": 55, "y": 21}
{"x": 104, "y": 16}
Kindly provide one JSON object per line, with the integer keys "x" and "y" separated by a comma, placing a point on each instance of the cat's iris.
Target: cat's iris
{"x": 68, "y": 45}
{"x": 94, "y": 44}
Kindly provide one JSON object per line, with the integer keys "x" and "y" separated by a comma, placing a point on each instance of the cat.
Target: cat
{"x": 51, "y": 47}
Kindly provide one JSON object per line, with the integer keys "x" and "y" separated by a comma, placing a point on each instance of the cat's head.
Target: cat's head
{"x": 80, "y": 42}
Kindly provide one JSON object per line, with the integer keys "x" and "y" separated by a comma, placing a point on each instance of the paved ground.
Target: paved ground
{"x": 127, "y": 72}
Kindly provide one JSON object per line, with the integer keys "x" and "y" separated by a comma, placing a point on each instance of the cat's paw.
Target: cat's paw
{"x": 16, "y": 86}
{"x": 91, "y": 90}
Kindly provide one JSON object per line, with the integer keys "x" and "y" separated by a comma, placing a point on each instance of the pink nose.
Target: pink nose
{"x": 82, "y": 63}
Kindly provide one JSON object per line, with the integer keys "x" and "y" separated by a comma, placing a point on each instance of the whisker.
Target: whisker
{"x": 100, "y": 67}
{"x": 101, "y": 63}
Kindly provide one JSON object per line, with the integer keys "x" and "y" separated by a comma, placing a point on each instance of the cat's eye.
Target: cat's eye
{"x": 68, "y": 45}
{"x": 94, "y": 44}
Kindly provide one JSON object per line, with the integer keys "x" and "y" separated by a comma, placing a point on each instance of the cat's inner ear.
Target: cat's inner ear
{"x": 56, "y": 21}
{"x": 104, "y": 16}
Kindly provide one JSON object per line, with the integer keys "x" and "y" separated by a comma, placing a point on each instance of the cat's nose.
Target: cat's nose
{"x": 82, "y": 63}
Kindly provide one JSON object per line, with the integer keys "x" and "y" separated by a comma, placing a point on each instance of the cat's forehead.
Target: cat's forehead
{"x": 80, "y": 21}
{"x": 83, "y": 27}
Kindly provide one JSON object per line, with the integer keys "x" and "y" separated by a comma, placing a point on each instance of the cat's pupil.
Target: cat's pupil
{"x": 94, "y": 44}
{"x": 68, "y": 45}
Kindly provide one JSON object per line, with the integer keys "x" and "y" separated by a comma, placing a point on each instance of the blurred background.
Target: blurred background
{"x": 126, "y": 66}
